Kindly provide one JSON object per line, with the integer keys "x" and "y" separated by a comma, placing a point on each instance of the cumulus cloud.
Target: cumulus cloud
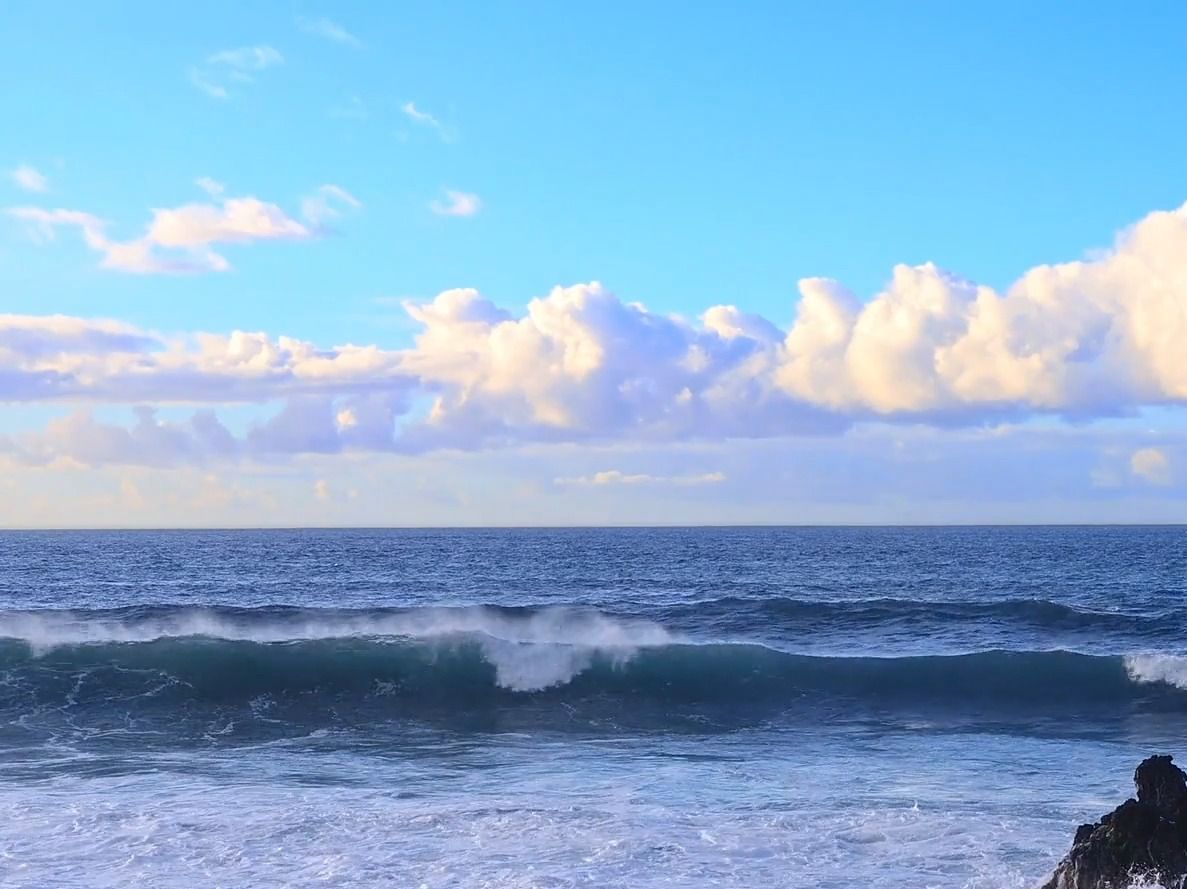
{"x": 617, "y": 477}
{"x": 457, "y": 203}
{"x": 29, "y": 178}
{"x": 1151, "y": 465}
{"x": 1095, "y": 338}
{"x": 1088, "y": 338}
{"x": 222, "y": 71}
{"x": 178, "y": 240}
{"x": 327, "y": 30}
{"x": 583, "y": 365}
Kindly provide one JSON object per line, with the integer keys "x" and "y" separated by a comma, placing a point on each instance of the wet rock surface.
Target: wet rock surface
{"x": 1142, "y": 841}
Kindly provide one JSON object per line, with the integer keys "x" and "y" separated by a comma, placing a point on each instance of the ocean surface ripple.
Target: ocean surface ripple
{"x": 643, "y": 708}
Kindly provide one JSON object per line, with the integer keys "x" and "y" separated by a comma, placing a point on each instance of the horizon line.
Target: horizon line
{"x": 15, "y": 529}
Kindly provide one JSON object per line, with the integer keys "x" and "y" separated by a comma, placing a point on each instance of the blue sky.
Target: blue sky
{"x": 685, "y": 156}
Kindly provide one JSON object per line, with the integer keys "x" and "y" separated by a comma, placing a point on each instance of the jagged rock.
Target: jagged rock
{"x": 1143, "y": 839}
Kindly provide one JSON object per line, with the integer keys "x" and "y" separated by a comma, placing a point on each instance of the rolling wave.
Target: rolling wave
{"x": 181, "y": 656}
{"x": 444, "y": 654}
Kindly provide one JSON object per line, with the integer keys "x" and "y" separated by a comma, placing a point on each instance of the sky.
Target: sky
{"x": 562, "y": 264}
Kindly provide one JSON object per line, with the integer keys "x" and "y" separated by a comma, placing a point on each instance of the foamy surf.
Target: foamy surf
{"x": 1170, "y": 669}
{"x": 652, "y": 709}
{"x": 46, "y": 629}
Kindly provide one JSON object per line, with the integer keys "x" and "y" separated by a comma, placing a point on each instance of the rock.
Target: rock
{"x": 1162, "y": 784}
{"x": 1143, "y": 839}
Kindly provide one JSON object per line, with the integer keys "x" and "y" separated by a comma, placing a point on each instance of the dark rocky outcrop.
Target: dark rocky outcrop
{"x": 1143, "y": 839}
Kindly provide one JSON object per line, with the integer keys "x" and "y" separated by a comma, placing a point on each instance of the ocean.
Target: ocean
{"x": 726, "y": 707}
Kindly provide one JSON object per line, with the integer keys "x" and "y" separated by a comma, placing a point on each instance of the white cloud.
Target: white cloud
{"x": 203, "y": 81}
{"x": 328, "y": 30}
{"x": 457, "y": 203}
{"x": 58, "y": 358}
{"x": 1085, "y": 338}
{"x": 1151, "y": 465}
{"x": 212, "y": 187}
{"x": 617, "y": 477}
{"x": 234, "y": 220}
{"x": 327, "y": 204}
{"x": 321, "y": 489}
{"x": 43, "y": 224}
{"x": 423, "y": 118}
{"x": 222, "y": 71}
{"x": 29, "y": 178}
{"x": 178, "y": 240}
{"x": 1090, "y": 339}
{"x": 247, "y": 58}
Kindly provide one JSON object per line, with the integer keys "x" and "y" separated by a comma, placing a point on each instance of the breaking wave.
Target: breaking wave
{"x": 474, "y": 653}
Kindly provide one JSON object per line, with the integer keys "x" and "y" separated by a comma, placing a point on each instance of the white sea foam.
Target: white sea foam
{"x": 559, "y": 625}
{"x": 560, "y": 819}
{"x": 1168, "y": 668}
{"x": 529, "y": 667}
{"x": 529, "y": 651}
{"x": 1145, "y": 883}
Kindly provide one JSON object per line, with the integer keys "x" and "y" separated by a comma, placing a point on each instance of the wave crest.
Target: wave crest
{"x": 1170, "y": 669}
{"x": 530, "y": 649}
{"x": 443, "y": 653}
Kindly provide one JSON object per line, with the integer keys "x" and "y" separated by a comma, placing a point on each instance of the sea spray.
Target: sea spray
{"x": 1170, "y": 669}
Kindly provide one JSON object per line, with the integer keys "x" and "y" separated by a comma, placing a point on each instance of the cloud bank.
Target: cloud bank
{"x": 1095, "y": 338}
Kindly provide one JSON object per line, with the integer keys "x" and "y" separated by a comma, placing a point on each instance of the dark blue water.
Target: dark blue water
{"x": 662, "y": 707}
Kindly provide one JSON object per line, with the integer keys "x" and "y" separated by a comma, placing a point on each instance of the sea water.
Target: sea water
{"x": 776, "y": 707}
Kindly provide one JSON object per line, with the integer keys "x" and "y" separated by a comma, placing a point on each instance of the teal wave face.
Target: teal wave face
{"x": 473, "y": 666}
{"x": 180, "y": 672}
